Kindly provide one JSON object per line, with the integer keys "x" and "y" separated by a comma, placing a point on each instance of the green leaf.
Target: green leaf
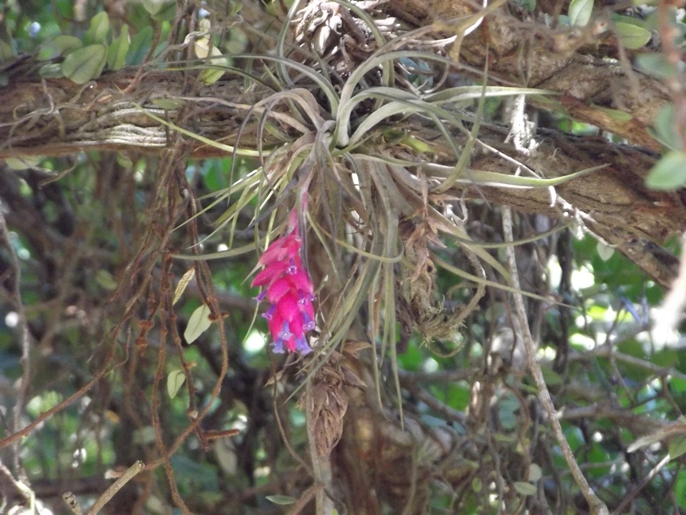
{"x": 169, "y": 103}
{"x": 281, "y": 499}
{"x": 22, "y": 163}
{"x": 175, "y": 380}
{"x": 669, "y": 173}
{"x": 655, "y": 65}
{"x": 477, "y": 485}
{"x": 61, "y": 45}
{"x": 99, "y": 27}
{"x": 67, "y": 44}
{"x": 198, "y": 323}
{"x": 524, "y": 488}
{"x": 116, "y": 55}
{"x": 166, "y": 13}
{"x": 155, "y": 6}
{"x": 677, "y": 446}
{"x": 140, "y": 44}
{"x": 632, "y": 36}
{"x": 580, "y": 12}
{"x": 51, "y": 71}
{"x": 551, "y": 377}
{"x": 85, "y": 64}
{"x": 535, "y": 473}
{"x": 665, "y": 127}
{"x": 6, "y": 51}
{"x": 604, "y": 251}
{"x": 620, "y": 116}
{"x": 124, "y": 160}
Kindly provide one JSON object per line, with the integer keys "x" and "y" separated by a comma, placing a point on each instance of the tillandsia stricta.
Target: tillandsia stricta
{"x": 289, "y": 290}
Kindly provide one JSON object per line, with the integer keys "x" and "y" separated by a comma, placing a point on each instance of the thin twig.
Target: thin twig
{"x": 127, "y": 476}
{"x": 597, "y": 506}
{"x": 23, "y": 336}
{"x": 620, "y": 509}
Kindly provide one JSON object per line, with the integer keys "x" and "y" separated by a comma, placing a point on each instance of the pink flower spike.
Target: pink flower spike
{"x": 270, "y": 273}
{"x": 301, "y": 281}
{"x": 278, "y": 289}
{"x": 288, "y": 308}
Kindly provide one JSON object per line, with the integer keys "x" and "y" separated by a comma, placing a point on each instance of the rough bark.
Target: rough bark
{"x": 585, "y": 66}
{"x": 58, "y": 117}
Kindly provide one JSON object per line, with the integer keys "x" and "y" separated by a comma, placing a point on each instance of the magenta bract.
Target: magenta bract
{"x": 290, "y": 292}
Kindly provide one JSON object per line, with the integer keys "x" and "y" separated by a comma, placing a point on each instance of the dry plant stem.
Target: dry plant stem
{"x": 130, "y": 473}
{"x": 597, "y": 506}
{"x": 165, "y": 293}
{"x": 305, "y": 498}
{"x": 622, "y": 505}
{"x": 321, "y": 465}
{"x": 23, "y": 336}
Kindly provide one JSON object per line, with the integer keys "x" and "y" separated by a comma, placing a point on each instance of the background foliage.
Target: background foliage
{"x": 430, "y": 420}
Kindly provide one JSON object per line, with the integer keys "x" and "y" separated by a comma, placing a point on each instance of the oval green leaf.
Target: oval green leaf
{"x": 632, "y": 36}
{"x": 605, "y": 252}
{"x": 677, "y": 446}
{"x": 281, "y": 499}
{"x": 198, "y": 323}
{"x": 655, "y": 65}
{"x": 175, "y": 380}
{"x": 524, "y": 488}
{"x": 85, "y": 64}
{"x": 99, "y": 27}
{"x": 22, "y": 163}
{"x": 580, "y": 12}
{"x": 166, "y": 13}
{"x": 51, "y": 71}
{"x": 665, "y": 127}
{"x": 535, "y": 472}
{"x": 116, "y": 54}
{"x": 669, "y": 173}
{"x": 140, "y": 44}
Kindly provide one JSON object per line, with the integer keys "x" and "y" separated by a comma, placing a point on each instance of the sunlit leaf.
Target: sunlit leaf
{"x": 85, "y": 64}
{"x": 175, "y": 380}
{"x": 580, "y": 12}
{"x": 198, "y": 323}
{"x": 605, "y": 252}
{"x": 23, "y": 162}
{"x": 281, "y": 499}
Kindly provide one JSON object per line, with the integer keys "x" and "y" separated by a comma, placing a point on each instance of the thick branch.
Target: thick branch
{"x": 59, "y": 117}
{"x": 584, "y": 65}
